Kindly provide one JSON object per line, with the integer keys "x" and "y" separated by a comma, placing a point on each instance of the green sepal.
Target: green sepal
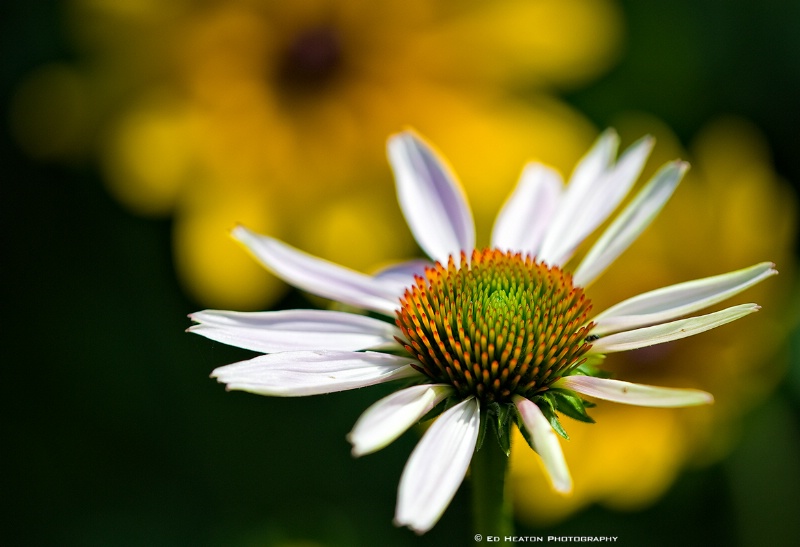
{"x": 569, "y": 404}
{"x": 484, "y": 422}
{"x": 547, "y": 406}
{"x": 498, "y": 415}
{"x": 501, "y": 414}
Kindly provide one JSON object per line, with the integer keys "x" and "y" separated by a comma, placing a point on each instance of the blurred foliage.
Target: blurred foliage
{"x": 113, "y": 433}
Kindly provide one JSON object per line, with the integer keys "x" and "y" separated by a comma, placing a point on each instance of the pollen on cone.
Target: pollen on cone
{"x": 495, "y": 324}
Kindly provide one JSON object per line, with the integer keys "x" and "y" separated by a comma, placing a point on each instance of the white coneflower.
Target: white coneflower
{"x": 496, "y": 336}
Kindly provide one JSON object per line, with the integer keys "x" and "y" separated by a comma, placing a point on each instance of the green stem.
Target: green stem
{"x": 491, "y": 500}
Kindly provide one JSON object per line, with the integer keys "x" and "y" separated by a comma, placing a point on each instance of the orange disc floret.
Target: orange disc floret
{"x": 495, "y": 324}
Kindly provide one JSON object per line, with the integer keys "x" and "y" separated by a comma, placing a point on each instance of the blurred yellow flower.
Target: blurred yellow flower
{"x": 732, "y": 210}
{"x": 216, "y": 111}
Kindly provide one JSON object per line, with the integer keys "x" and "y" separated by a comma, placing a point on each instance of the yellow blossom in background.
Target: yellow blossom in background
{"x": 216, "y": 111}
{"x": 731, "y": 211}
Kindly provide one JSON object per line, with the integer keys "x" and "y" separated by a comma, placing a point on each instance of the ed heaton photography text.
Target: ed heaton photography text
{"x": 548, "y": 539}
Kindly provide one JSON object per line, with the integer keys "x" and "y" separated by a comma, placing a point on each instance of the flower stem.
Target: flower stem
{"x": 491, "y": 502}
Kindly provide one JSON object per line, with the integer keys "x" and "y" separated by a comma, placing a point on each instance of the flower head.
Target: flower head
{"x": 488, "y": 337}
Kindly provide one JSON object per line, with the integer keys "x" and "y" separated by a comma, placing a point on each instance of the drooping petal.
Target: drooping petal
{"x": 675, "y": 301}
{"x": 667, "y": 332}
{"x": 295, "y": 330}
{"x": 318, "y": 276}
{"x": 390, "y": 417}
{"x": 545, "y": 442}
{"x": 300, "y": 373}
{"x": 630, "y": 223}
{"x": 437, "y": 467}
{"x": 522, "y": 221}
{"x": 431, "y": 198}
{"x": 634, "y": 394}
{"x": 401, "y": 276}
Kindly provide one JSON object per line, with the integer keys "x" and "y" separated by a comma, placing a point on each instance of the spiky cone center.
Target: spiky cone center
{"x": 495, "y": 324}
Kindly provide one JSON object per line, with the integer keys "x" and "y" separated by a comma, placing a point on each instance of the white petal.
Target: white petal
{"x": 521, "y": 223}
{"x": 589, "y": 169}
{"x": 545, "y": 442}
{"x": 299, "y": 373}
{"x": 667, "y": 332}
{"x": 437, "y": 467}
{"x": 318, "y": 276}
{"x": 676, "y": 300}
{"x": 432, "y": 199}
{"x": 295, "y": 330}
{"x": 634, "y": 394}
{"x": 593, "y": 165}
{"x": 593, "y": 206}
{"x": 630, "y": 223}
{"x": 401, "y": 276}
{"x": 390, "y": 417}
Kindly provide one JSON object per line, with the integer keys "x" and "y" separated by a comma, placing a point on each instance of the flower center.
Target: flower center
{"x": 312, "y": 58}
{"x": 496, "y": 325}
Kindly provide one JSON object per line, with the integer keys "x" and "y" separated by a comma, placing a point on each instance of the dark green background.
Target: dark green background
{"x": 114, "y": 435}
